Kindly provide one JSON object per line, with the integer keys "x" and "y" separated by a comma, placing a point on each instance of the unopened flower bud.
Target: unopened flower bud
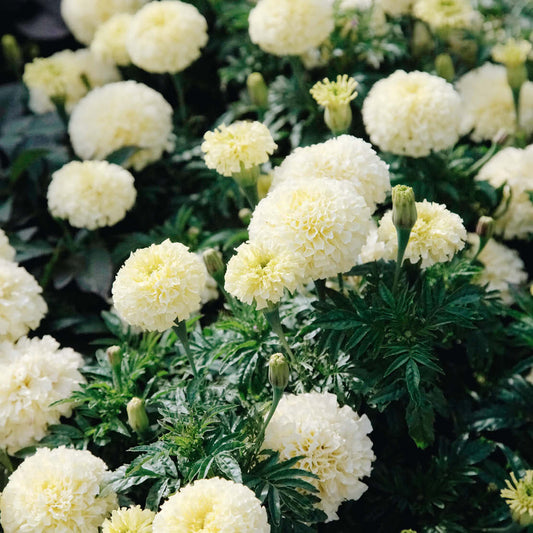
{"x": 338, "y": 119}
{"x": 114, "y": 355}
{"x": 213, "y": 262}
{"x": 485, "y": 227}
{"x": 422, "y": 41}
{"x": 193, "y": 232}
{"x": 12, "y": 52}
{"x": 278, "y": 371}
{"x": 245, "y": 215}
{"x": 257, "y": 89}
{"x": 403, "y": 207}
{"x": 263, "y": 185}
{"x": 444, "y": 67}
{"x": 137, "y": 417}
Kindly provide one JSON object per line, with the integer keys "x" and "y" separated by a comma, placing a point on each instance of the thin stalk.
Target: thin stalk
{"x": 181, "y": 332}
{"x": 320, "y": 286}
{"x": 277, "y": 393}
{"x": 5, "y": 461}
{"x": 180, "y": 93}
{"x": 298, "y": 73}
{"x": 403, "y": 239}
{"x": 273, "y": 318}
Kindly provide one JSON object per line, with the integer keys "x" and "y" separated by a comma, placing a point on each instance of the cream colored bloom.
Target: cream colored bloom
{"x": 412, "y": 114}
{"x": 166, "y": 36}
{"x": 56, "y": 490}
{"x": 212, "y": 506}
{"x": 334, "y": 93}
{"x": 344, "y": 158}
{"x": 159, "y": 286}
{"x": 129, "y": 520}
{"x": 61, "y": 76}
{"x": 512, "y": 53}
{"x": 396, "y": 7}
{"x": 519, "y": 497}
{"x": 438, "y": 234}
{"x": 118, "y": 115}
{"x": 109, "y": 43}
{"x": 502, "y": 267}
{"x": 513, "y": 167}
{"x": 6, "y": 250}
{"x": 487, "y": 103}
{"x": 34, "y": 373}
{"x": 333, "y": 441}
{"x": 324, "y": 221}
{"x": 91, "y": 194}
{"x": 239, "y": 146}
{"x": 445, "y": 14}
{"x": 83, "y": 18}
{"x": 260, "y": 272}
{"x": 290, "y": 27}
{"x": 21, "y": 304}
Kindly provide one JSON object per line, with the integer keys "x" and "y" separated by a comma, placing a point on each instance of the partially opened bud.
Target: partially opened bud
{"x": 257, "y": 89}
{"x": 403, "y": 207}
{"x": 422, "y": 41}
{"x": 213, "y": 261}
{"x": 114, "y": 355}
{"x": 485, "y": 227}
{"x": 137, "y": 417}
{"x": 278, "y": 371}
{"x": 444, "y": 67}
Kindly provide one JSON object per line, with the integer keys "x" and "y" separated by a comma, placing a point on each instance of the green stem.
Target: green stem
{"x": 5, "y": 461}
{"x": 277, "y": 393}
{"x": 181, "y": 332}
{"x": 180, "y": 93}
{"x": 320, "y": 286}
{"x": 298, "y": 73}
{"x": 273, "y": 318}
{"x": 341, "y": 282}
{"x": 403, "y": 240}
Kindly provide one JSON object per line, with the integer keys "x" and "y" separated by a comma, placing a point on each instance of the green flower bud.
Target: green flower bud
{"x": 278, "y": 371}
{"x": 245, "y": 215}
{"x": 485, "y": 227}
{"x": 444, "y": 67}
{"x": 257, "y": 89}
{"x": 114, "y": 355}
{"x": 263, "y": 185}
{"x": 422, "y": 41}
{"x": 403, "y": 207}
{"x": 12, "y": 52}
{"x": 213, "y": 262}
{"x": 137, "y": 417}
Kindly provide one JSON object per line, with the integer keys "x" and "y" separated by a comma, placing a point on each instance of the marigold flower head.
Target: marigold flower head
{"x": 34, "y": 373}
{"x": 60, "y": 76}
{"x": 166, "y": 36}
{"x": 519, "y": 497}
{"x": 83, "y": 17}
{"x": 445, "y": 14}
{"x": 109, "y": 43}
{"x": 435, "y": 238}
{"x": 344, "y": 158}
{"x": 334, "y": 93}
{"x": 333, "y": 441}
{"x": 21, "y": 304}
{"x": 513, "y": 167}
{"x": 412, "y": 114}
{"x": 91, "y": 194}
{"x": 239, "y": 146}
{"x": 57, "y": 490}
{"x": 261, "y": 271}
{"x": 290, "y": 27}
{"x": 6, "y": 250}
{"x": 129, "y": 520}
{"x": 324, "y": 221}
{"x": 512, "y": 53}
{"x": 122, "y": 114}
{"x": 219, "y": 505}
{"x": 158, "y": 286}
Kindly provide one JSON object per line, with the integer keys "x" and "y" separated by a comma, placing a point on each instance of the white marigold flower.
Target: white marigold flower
{"x": 109, "y": 43}
{"x": 514, "y": 167}
{"x": 502, "y": 267}
{"x": 412, "y": 114}
{"x": 487, "y": 103}
{"x": 519, "y": 497}
{"x": 333, "y": 440}
{"x": 344, "y": 158}
{"x": 217, "y": 504}
{"x": 166, "y": 36}
{"x": 6, "y": 250}
{"x": 290, "y": 27}
{"x": 129, "y": 520}
{"x": 34, "y": 373}
{"x": 57, "y": 490}
{"x": 239, "y": 146}
{"x": 260, "y": 272}
{"x": 122, "y": 114}
{"x": 21, "y": 304}
{"x": 61, "y": 76}
{"x": 324, "y": 221}
{"x": 83, "y": 18}
{"x": 438, "y": 234}
{"x": 447, "y": 14}
{"x": 91, "y": 194}
{"x": 158, "y": 286}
